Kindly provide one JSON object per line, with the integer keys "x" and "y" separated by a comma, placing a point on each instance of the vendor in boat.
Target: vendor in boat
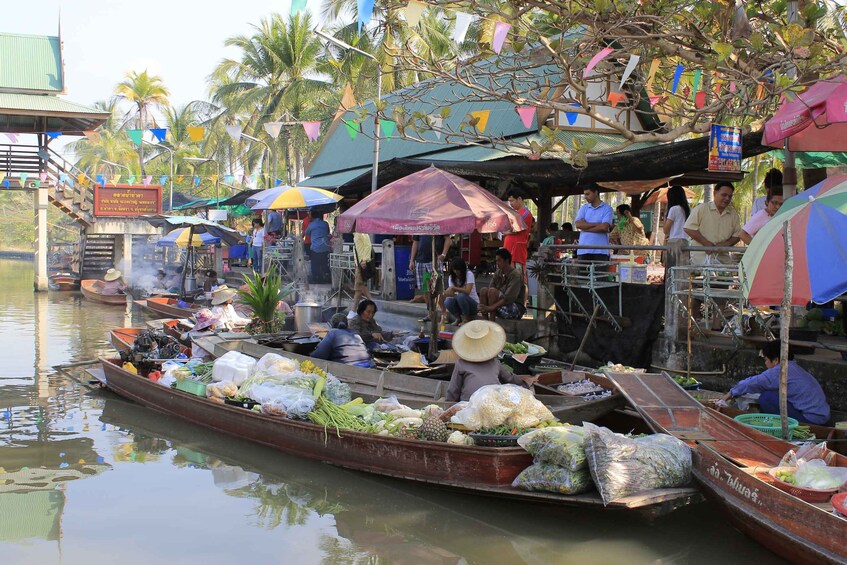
{"x": 223, "y": 310}
{"x": 112, "y": 283}
{"x": 211, "y": 281}
{"x": 477, "y": 344}
{"x": 342, "y": 345}
{"x": 806, "y": 400}
{"x": 175, "y": 282}
{"x": 365, "y": 326}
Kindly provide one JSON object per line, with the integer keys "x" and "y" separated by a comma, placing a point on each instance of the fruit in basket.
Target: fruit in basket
{"x": 433, "y": 429}
{"x": 786, "y": 477}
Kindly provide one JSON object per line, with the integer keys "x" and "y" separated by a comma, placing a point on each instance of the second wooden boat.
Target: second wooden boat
{"x": 730, "y": 464}
{"x": 168, "y": 307}
{"x": 91, "y": 291}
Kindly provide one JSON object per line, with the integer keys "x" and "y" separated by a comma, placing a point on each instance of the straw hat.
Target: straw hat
{"x": 446, "y": 357}
{"x": 222, "y": 294}
{"x": 410, "y": 360}
{"x": 112, "y": 275}
{"x": 479, "y": 340}
{"x": 203, "y": 319}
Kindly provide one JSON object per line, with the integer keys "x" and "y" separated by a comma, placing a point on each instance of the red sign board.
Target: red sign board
{"x": 127, "y": 200}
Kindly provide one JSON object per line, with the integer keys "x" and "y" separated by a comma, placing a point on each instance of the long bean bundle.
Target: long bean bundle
{"x": 327, "y": 414}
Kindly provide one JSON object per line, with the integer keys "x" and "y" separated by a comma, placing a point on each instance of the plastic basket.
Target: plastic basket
{"x": 486, "y": 440}
{"x": 803, "y": 493}
{"x": 191, "y": 387}
{"x": 767, "y": 423}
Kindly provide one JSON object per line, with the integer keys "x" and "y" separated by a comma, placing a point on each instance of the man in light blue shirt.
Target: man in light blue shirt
{"x": 594, "y": 220}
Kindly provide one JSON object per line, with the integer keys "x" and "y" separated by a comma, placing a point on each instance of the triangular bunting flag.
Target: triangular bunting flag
{"x": 352, "y": 129}
{"x": 53, "y": 134}
{"x": 312, "y": 129}
{"x": 229, "y": 179}
{"x": 180, "y": 178}
{"x": 101, "y": 180}
{"x": 214, "y": 178}
{"x": 131, "y": 179}
{"x": 37, "y": 183}
{"x": 365, "y": 9}
{"x": 760, "y": 92}
{"x": 159, "y": 133}
{"x": 163, "y": 180}
{"x": 481, "y": 118}
{"x": 655, "y": 99}
{"x": 42, "y": 176}
{"x": 386, "y": 127}
{"x": 527, "y": 113}
{"x": 23, "y": 177}
{"x": 616, "y": 98}
{"x": 654, "y": 66}
{"x": 347, "y": 99}
{"x": 80, "y": 178}
{"x": 572, "y": 116}
{"x": 13, "y": 137}
{"x": 234, "y": 131}
{"x": 630, "y": 66}
{"x": 700, "y": 99}
{"x": 278, "y": 182}
{"x": 91, "y": 135}
{"x": 501, "y": 30}
{"x": 6, "y": 183}
{"x": 676, "y": 76}
{"x": 732, "y": 87}
{"x": 63, "y": 177}
{"x": 298, "y": 6}
{"x": 196, "y": 181}
{"x": 273, "y": 129}
{"x": 414, "y": 11}
{"x": 196, "y": 133}
{"x": 599, "y": 56}
{"x": 460, "y": 30}
{"x": 147, "y": 180}
{"x": 115, "y": 179}
{"x": 135, "y": 135}
{"x": 695, "y": 83}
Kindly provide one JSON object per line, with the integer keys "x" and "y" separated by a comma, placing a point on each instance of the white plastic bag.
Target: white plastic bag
{"x": 818, "y": 475}
{"x": 495, "y": 405}
{"x": 274, "y": 364}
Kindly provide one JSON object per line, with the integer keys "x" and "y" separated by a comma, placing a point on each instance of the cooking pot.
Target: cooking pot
{"x": 190, "y": 283}
{"x": 306, "y": 313}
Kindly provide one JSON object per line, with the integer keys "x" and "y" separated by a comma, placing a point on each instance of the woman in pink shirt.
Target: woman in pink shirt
{"x": 758, "y": 220}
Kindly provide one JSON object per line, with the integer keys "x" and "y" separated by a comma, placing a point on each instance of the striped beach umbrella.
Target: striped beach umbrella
{"x": 180, "y": 237}
{"x": 291, "y": 197}
{"x": 818, "y": 221}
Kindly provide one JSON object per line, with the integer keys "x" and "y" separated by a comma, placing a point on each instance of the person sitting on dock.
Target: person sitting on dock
{"x": 477, "y": 345}
{"x": 365, "y": 326}
{"x": 341, "y": 345}
{"x": 505, "y": 296}
{"x": 462, "y": 299}
{"x": 223, "y": 310}
{"x": 806, "y": 400}
{"x": 112, "y": 283}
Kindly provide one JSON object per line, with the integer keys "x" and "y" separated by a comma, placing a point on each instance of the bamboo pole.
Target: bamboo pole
{"x": 785, "y": 323}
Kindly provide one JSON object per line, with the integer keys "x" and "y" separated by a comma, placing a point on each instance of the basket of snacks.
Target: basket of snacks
{"x": 767, "y": 423}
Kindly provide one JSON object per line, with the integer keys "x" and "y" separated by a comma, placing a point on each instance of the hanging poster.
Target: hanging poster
{"x": 725, "y": 149}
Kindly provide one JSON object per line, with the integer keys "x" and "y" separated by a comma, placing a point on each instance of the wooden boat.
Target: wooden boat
{"x": 167, "y": 307}
{"x": 123, "y": 339}
{"x": 91, "y": 290}
{"x": 482, "y": 470}
{"x": 730, "y": 464}
{"x": 64, "y": 281}
{"x": 411, "y": 390}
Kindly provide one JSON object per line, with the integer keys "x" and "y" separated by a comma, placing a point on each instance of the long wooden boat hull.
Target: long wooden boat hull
{"x": 483, "y": 470}
{"x": 730, "y": 460}
{"x": 90, "y": 292}
{"x": 123, "y": 339}
{"x": 408, "y": 388}
{"x": 64, "y": 282}
{"x": 167, "y": 307}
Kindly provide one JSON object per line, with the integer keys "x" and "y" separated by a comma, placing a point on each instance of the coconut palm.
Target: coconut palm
{"x": 145, "y": 92}
{"x": 275, "y": 77}
{"x": 111, "y": 144}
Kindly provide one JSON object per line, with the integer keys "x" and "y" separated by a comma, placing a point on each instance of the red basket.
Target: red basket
{"x": 839, "y": 503}
{"x": 803, "y": 493}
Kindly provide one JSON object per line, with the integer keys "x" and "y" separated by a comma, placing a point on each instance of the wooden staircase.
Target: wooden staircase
{"x": 98, "y": 255}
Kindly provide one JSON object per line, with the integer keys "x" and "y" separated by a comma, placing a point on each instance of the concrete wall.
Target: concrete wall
{"x": 122, "y": 226}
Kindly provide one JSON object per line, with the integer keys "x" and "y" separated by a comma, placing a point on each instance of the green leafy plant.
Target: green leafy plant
{"x": 263, "y": 295}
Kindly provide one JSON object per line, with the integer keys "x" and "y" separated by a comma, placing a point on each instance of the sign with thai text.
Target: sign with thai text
{"x": 725, "y": 149}
{"x": 127, "y": 200}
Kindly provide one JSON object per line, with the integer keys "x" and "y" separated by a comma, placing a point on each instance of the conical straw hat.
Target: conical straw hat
{"x": 479, "y": 340}
{"x": 410, "y": 360}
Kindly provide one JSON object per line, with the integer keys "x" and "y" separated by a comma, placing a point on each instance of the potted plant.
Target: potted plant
{"x": 263, "y": 295}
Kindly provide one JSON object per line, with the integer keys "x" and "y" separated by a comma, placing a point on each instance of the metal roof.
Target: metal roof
{"x": 31, "y": 63}
{"x": 36, "y": 113}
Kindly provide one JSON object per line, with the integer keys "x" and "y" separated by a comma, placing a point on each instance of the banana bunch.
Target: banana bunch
{"x": 309, "y": 367}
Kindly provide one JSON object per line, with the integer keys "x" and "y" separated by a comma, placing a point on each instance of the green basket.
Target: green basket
{"x": 191, "y": 387}
{"x": 770, "y": 424}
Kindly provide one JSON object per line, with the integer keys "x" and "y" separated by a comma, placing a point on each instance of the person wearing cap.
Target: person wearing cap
{"x": 341, "y": 345}
{"x": 477, "y": 344}
{"x": 112, "y": 283}
{"x": 223, "y": 309}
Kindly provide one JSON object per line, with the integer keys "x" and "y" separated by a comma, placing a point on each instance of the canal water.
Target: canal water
{"x": 89, "y": 478}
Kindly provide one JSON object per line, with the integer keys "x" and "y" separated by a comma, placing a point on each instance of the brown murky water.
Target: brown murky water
{"x": 89, "y": 478}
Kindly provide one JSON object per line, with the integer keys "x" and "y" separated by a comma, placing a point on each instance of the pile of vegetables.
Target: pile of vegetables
{"x": 516, "y": 348}
{"x": 685, "y": 381}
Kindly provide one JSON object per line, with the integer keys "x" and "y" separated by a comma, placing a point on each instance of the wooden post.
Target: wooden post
{"x": 389, "y": 275}
{"x": 784, "y": 325}
{"x": 40, "y": 204}
{"x": 547, "y": 324}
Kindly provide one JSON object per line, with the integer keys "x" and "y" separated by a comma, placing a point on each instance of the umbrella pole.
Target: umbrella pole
{"x": 433, "y": 298}
{"x": 785, "y": 323}
{"x": 187, "y": 261}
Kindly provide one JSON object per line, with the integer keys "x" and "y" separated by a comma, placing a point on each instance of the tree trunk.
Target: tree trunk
{"x": 785, "y": 324}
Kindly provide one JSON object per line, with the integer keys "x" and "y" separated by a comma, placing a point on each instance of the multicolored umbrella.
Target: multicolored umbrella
{"x": 818, "y": 220}
{"x": 815, "y": 120}
{"x": 430, "y": 202}
{"x": 291, "y": 197}
{"x": 180, "y": 238}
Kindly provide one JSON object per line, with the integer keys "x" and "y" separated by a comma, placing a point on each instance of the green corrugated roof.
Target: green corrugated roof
{"x": 333, "y": 180}
{"x": 31, "y": 63}
{"x": 41, "y": 104}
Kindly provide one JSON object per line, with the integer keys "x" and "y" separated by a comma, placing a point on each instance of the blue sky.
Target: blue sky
{"x": 180, "y": 40}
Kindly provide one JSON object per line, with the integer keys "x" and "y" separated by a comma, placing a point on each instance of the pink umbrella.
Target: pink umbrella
{"x": 816, "y": 120}
{"x": 430, "y": 202}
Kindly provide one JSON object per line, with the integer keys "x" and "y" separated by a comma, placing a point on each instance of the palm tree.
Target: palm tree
{"x": 145, "y": 92}
{"x": 111, "y": 145}
{"x": 276, "y": 76}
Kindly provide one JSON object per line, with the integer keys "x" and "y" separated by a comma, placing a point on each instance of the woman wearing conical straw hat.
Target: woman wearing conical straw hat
{"x": 477, "y": 344}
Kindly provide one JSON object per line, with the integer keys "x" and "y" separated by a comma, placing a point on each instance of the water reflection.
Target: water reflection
{"x": 94, "y": 477}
